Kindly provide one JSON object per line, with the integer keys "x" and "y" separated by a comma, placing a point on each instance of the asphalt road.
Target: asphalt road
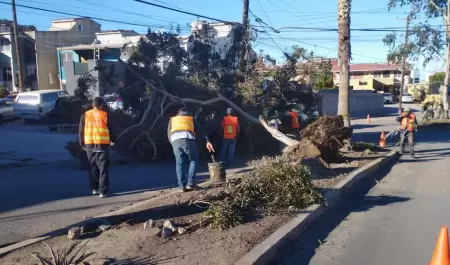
{"x": 37, "y": 200}
{"x": 395, "y": 221}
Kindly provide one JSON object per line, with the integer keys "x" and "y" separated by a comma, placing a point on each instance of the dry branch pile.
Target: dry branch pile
{"x": 275, "y": 186}
{"x": 323, "y": 139}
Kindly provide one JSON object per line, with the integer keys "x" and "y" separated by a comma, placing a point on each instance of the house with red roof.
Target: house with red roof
{"x": 372, "y": 76}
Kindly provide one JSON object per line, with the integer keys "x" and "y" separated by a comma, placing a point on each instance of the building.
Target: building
{"x": 38, "y": 51}
{"x": 218, "y": 34}
{"x": 375, "y": 76}
{"x": 100, "y": 59}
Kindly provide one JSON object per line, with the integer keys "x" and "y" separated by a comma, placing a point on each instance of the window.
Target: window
{"x": 397, "y": 73}
{"x": 377, "y": 74}
{"x": 28, "y": 99}
{"x": 80, "y": 28}
{"x": 5, "y": 45}
{"x": 386, "y": 74}
{"x": 7, "y": 74}
{"x": 49, "y": 97}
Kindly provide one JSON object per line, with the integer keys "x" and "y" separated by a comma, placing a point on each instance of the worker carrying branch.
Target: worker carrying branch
{"x": 408, "y": 127}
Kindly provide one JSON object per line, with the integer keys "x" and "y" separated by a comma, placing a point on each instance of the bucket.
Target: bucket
{"x": 217, "y": 172}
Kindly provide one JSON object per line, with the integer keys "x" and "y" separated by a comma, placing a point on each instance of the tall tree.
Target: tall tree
{"x": 425, "y": 42}
{"x": 344, "y": 7}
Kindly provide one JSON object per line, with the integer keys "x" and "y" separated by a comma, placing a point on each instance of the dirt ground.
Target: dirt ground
{"x": 129, "y": 243}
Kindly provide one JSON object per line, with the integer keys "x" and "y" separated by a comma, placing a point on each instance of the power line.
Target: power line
{"x": 184, "y": 12}
{"x": 79, "y": 15}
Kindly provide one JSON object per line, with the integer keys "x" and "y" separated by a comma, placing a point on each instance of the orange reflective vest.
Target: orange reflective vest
{"x": 96, "y": 127}
{"x": 230, "y": 125}
{"x": 295, "y": 120}
{"x": 182, "y": 123}
{"x": 408, "y": 122}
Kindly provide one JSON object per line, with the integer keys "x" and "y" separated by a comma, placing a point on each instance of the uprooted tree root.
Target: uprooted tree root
{"x": 275, "y": 186}
{"x": 321, "y": 139}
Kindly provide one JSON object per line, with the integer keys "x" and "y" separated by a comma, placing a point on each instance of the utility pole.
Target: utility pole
{"x": 344, "y": 7}
{"x": 402, "y": 81}
{"x": 447, "y": 61}
{"x": 19, "y": 66}
{"x": 245, "y": 37}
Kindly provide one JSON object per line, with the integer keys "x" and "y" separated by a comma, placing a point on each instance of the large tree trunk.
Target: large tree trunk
{"x": 344, "y": 58}
{"x": 447, "y": 67}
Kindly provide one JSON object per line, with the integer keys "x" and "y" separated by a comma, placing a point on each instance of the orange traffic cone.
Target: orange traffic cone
{"x": 368, "y": 118}
{"x": 382, "y": 142}
{"x": 441, "y": 254}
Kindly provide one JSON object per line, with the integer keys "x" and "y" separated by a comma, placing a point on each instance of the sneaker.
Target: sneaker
{"x": 191, "y": 187}
{"x": 94, "y": 192}
{"x": 182, "y": 189}
{"x": 103, "y": 195}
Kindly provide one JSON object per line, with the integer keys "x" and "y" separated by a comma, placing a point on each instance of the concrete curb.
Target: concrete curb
{"x": 115, "y": 217}
{"x": 265, "y": 252}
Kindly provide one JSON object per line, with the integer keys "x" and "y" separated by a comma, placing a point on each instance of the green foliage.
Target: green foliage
{"x": 424, "y": 41}
{"x": 275, "y": 186}
{"x": 437, "y": 79}
{"x": 362, "y": 146}
{"x": 3, "y": 92}
{"x": 74, "y": 255}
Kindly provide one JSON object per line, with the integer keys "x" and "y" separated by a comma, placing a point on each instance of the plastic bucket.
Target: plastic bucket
{"x": 217, "y": 172}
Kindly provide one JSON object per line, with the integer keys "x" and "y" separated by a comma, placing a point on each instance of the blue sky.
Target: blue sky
{"x": 366, "y": 46}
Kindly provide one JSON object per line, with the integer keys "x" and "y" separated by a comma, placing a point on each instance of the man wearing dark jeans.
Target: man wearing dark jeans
{"x": 230, "y": 129}
{"x": 95, "y": 138}
{"x": 182, "y": 132}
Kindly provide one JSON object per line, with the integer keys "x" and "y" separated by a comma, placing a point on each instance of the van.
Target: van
{"x": 34, "y": 105}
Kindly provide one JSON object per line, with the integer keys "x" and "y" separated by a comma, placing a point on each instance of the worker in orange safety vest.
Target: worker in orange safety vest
{"x": 408, "y": 126}
{"x": 230, "y": 129}
{"x": 95, "y": 136}
{"x": 295, "y": 122}
{"x": 182, "y": 132}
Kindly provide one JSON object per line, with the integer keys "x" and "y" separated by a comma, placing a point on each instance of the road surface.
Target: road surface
{"x": 36, "y": 200}
{"x": 396, "y": 222}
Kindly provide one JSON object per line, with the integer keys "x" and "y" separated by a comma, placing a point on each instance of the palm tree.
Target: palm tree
{"x": 344, "y": 58}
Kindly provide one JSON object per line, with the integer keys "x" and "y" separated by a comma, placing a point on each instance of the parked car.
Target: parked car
{"x": 113, "y": 101}
{"x": 388, "y": 98}
{"x": 6, "y": 110}
{"x": 11, "y": 96}
{"x": 407, "y": 98}
{"x": 34, "y": 105}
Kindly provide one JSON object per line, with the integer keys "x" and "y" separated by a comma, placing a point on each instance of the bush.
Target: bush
{"x": 363, "y": 146}
{"x": 275, "y": 186}
{"x": 3, "y": 92}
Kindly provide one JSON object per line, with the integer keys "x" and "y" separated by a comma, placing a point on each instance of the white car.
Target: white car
{"x": 6, "y": 110}
{"x": 407, "y": 98}
{"x": 34, "y": 105}
{"x": 388, "y": 98}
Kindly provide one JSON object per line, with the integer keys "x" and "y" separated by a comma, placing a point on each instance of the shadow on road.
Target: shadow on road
{"x": 304, "y": 248}
{"x": 31, "y": 187}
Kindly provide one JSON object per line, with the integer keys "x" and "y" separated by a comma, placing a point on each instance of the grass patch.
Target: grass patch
{"x": 428, "y": 123}
{"x": 363, "y": 146}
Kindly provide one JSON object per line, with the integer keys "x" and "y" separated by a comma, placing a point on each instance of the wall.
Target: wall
{"x": 361, "y": 103}
{"x": 48, "y": 41}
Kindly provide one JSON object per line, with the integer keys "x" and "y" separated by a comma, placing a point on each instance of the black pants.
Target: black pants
{"x": 410, "y": 136}
{"x": 98, "y": 163}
